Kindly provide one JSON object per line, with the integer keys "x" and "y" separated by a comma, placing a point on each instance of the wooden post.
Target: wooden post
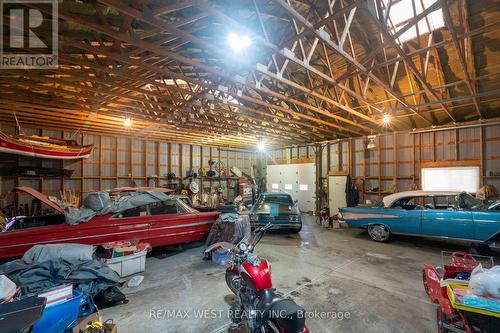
{"x": 319, "y": 170}
{"x": 181, "y": 173}
{"x": 339, "y": 156}
{"x": 328, "y": 162}
{"x": 481, "y": 156}
{"x": 169, "y": 157}
{"x": 158, "y": 165}
{"x": 116, "y": 161}
{"x": 100, "y": 162}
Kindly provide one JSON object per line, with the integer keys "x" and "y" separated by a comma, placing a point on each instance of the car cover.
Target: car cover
{"x": 44, "y": 267}
{"x": 100, "y": 203}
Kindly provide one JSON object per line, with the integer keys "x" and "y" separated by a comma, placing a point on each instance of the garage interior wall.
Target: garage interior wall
{"x": 395, "y": 163}
{"x": 125, "y": 161}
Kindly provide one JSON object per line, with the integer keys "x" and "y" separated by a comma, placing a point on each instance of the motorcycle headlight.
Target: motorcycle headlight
{"x": 294, "y": 218}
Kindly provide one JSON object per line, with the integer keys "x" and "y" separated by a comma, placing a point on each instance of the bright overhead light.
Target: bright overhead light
{"x": 238, "y": 42}
{"x": 386, "y": 119}
{"x": 261, "y": 146}
{"x": 127, "y": 122}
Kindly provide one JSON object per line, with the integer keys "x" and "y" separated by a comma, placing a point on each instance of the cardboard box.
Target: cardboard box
{"x": 82, "y": 322}
{"x": 110, "y": 328}
{"x": 58, "y": 294}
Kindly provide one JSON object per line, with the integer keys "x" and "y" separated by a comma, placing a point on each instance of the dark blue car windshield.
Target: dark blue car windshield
{"x": 281, "y": 203}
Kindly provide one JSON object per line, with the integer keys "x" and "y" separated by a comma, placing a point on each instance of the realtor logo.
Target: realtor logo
{"x": 28, "y": 34}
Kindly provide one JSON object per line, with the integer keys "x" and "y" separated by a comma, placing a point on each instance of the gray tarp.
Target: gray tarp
{"x": 99, "y": 203}
{"x": 42, "y": 268}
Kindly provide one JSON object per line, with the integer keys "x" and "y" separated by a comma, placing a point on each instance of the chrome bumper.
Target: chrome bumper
{"x": 278, "y": 225}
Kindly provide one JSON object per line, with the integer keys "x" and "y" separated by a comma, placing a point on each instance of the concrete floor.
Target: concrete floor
{"x": 374, "y": 287}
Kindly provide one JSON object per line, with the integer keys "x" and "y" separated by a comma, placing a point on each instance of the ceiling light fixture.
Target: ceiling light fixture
{"x": 238, "y": 43}
{"x": 386, "y": 119}
{"x": 370, "y": 144}
{"x": 127, "y": 122}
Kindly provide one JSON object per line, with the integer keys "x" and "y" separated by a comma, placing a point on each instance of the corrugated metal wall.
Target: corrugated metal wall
{"x": 126, "y": 161}
{"x": 395, "y": 163}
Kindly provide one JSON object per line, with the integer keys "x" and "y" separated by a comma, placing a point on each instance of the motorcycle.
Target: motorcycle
{"x": 258, "y": 306}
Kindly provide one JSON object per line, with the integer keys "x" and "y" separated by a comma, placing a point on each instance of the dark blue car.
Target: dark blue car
{"x": 279, "y": 209}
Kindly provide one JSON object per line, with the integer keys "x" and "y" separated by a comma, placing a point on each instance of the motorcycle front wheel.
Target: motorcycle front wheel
{"x": 233, "y": 281}
{"x": 270, "y": 327}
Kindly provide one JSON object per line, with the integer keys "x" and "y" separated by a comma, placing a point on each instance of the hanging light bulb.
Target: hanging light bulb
{"x": 127, "y": 122}
{"x": 386, "y": 119}
{"x": 370, "y": 144}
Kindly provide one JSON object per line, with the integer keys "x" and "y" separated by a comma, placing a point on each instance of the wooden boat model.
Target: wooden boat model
{"x": 43, "y": 147}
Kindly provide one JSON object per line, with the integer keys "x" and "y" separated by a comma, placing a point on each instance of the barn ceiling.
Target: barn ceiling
{"x": 313, "y": 71}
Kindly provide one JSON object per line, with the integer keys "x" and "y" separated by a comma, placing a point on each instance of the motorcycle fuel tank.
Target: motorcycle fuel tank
{"x": 259, "y": 277}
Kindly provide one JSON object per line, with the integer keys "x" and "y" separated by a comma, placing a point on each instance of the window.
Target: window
{"x": 451, "y": 179}
{"x": 446, "y": 202}
{"x": 185, "y": 200}
{"x": 468, "y": 202}
{"x": 162, "y": 208}
{"x": 410, "y": 203}
{"x": 184, "y": 208}
{"x": 288, "y": 187}
{"x": 280, "y": 203}
{"x": 303, "y": 187}
{"x": 401, "y": 12}
{"x": 132, "y": 212}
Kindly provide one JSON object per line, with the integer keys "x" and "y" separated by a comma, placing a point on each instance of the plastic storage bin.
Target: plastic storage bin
{"x": 63, "y": 316}
{"x": 128, "y": 265}
{"x": 220, "y": 257}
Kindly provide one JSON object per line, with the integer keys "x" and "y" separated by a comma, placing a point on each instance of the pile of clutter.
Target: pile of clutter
{"x": 59, "y": 288}
{"x": 230, "y": 228}
{"x": 125, "y": 257}
{"x": 484, "y": 292}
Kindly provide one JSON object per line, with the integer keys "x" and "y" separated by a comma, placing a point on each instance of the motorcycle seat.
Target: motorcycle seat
{"x": 283, "y": 310}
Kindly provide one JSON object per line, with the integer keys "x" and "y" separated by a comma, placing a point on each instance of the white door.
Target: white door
{"x": 299, "y": 180}
{"x": 336, "y": 193}
{"x": 306, "y": 187}
{"x": 274, "y": 178}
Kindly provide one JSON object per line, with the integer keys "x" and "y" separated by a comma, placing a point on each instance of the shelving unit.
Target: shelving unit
{"x": 125, "y": 161}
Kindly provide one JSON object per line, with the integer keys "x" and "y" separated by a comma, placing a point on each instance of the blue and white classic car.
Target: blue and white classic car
{"x": 450, "y": 215}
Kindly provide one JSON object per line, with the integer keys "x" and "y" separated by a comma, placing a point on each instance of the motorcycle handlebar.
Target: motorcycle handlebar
{"x": 264, "y": 228}
{"x": 260, "y": 232}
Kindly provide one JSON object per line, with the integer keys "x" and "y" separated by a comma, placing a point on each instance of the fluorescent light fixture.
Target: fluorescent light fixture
{"x": 275, "y": 186}
{"x": 238, "y": 43}
{"x": 303, "y": 187}
{"x": 127, "y": 122}
{"x": 288, "y": 187}
{"x": 261, "y": 146}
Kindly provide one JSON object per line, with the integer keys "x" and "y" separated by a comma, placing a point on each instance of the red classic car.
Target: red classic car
{"x": 161, "y": 223}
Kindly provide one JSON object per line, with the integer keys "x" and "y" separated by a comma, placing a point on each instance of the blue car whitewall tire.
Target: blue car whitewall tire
{"x": 379, "y": 232}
